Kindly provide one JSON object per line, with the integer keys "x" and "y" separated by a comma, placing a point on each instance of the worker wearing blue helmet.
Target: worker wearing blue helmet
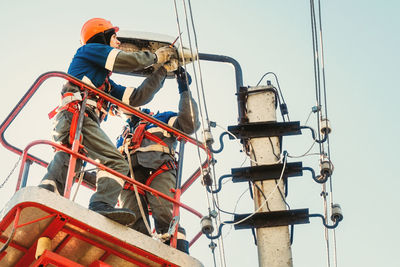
{"x": 151, "y": 152}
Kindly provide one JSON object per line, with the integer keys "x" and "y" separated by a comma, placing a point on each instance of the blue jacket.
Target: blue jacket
{"x": 91, "y": 61}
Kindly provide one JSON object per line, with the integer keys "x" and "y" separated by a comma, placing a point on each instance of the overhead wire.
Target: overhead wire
{"x": 184, "y": 63}
{"x": 326, "y": 117}
{"x": 266, "y": 199}
{"x": 220, "y": 241}
{"x": 319, "y": 73}
{"x": 319, "y": 114}
{"x": 280, "y": 95}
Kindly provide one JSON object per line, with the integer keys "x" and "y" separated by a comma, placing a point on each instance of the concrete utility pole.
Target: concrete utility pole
{"x": 273, "y": 242}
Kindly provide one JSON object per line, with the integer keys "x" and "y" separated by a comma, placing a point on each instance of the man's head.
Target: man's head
{"x": 98, "y": 30}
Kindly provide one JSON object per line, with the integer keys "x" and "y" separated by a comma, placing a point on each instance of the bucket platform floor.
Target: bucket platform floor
{"x": 79, "y": 237}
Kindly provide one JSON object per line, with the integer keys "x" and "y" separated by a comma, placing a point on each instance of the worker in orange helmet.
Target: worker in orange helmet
{"x": 93, "y": 63}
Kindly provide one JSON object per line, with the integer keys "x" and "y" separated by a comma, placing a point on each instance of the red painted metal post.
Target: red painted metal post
{"x": 75, "y": 147}
{"x": 175, "y": 213}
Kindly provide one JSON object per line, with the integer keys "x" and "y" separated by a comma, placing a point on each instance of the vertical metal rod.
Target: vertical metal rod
{"x": 28, "y": 164}
{"x": 180, "y": 164}
{"x": 178, "y": 191}
{"x": 75, "y": 148}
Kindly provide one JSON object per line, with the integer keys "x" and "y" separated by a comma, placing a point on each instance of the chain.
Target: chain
{"x": 12, "y": 171}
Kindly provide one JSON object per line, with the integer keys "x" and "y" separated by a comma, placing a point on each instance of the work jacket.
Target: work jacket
{"x": 93, "y": 63}
{"x": 185, "y": 120}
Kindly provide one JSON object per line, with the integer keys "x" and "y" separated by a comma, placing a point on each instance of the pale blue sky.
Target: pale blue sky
{"x": 361, "y": 43}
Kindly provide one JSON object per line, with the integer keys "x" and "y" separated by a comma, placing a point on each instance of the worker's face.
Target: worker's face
{"x": 114, "y": 42}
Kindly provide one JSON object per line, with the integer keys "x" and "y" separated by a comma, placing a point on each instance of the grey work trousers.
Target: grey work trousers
{"x": 161, "y": 209}
{"x": 99, "y": 147}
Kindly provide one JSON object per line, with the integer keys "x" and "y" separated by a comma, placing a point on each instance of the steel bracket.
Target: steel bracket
{"x": 264, "y": 129}
{"x": 272, "y": 219}
{"x": 266, "y": 172}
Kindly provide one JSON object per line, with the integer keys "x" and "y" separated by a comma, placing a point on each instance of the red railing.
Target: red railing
{"x": 181, "y": 136}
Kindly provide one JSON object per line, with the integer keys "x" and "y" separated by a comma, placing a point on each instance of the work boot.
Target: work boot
{"x": 49, "y": 185}
{"x": 122, "y": 216}
{"x": 182, "y": 245}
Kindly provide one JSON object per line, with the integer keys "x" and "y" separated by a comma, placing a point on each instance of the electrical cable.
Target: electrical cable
{"x": 234, "y": 210}
{"x": 198, "y": 63}
{"x": 326, "y": 117}
{"x": 11, "y": 172}
{"x": 309, "y": 115}
{"x": 283, "y": 198}
{"x": 246, "y": 155}
{"x": 316, "y": 63}
{"x": 279, "y": 89}
{"x": 138, "y": 199}
{"x": 257, "y": 210}
{"x": 200, "y": 111}
{"x": 267, "y": 198}
{"x": 221, "y": 246}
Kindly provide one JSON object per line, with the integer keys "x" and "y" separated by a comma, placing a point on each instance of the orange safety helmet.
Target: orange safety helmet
{"x": 93, "y": 27}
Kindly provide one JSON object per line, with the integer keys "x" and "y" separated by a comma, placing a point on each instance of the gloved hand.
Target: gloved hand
{"x": 165, "y": 53}
{"x": 181, "y": 79}
{"x": 171, "y": 65}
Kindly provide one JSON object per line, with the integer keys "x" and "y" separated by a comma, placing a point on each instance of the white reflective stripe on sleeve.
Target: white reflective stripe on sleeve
{"x": 172, "y": 120}
{"x": 127, "y": 94}
{"x": 102, "y": 173}
{"x": 85, "y": 79}
{"x": 111, "y": 59}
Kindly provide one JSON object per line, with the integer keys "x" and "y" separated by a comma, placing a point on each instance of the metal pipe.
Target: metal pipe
{"x": 238, "y": 72}
{"x": 28, "y": 164}
{"x": 180, "y": 164}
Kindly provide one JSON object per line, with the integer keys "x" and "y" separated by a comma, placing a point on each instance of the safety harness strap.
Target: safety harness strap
{"x": 154, "y": 147}
{"x": 169, "y": 165}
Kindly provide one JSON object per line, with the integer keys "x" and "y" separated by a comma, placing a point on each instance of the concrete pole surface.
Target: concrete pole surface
{"x": 273, "y": 243}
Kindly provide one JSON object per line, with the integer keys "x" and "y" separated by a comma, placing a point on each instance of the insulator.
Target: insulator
{"x": 326, "y": 167}
{"x": 209, "y": 138}
{"x": 337, "y": 214}
{"x": 325, "y": 126}
{"x": 206, "y": 225}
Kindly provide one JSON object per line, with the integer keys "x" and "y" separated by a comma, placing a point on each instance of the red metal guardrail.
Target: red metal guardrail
{"x": 181, "y": 136}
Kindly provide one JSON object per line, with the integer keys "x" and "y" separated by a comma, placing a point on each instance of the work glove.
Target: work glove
{"x": 165, "y": 53}
{"x": 171, "y": 65}
{"x": 181, "y": 79}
